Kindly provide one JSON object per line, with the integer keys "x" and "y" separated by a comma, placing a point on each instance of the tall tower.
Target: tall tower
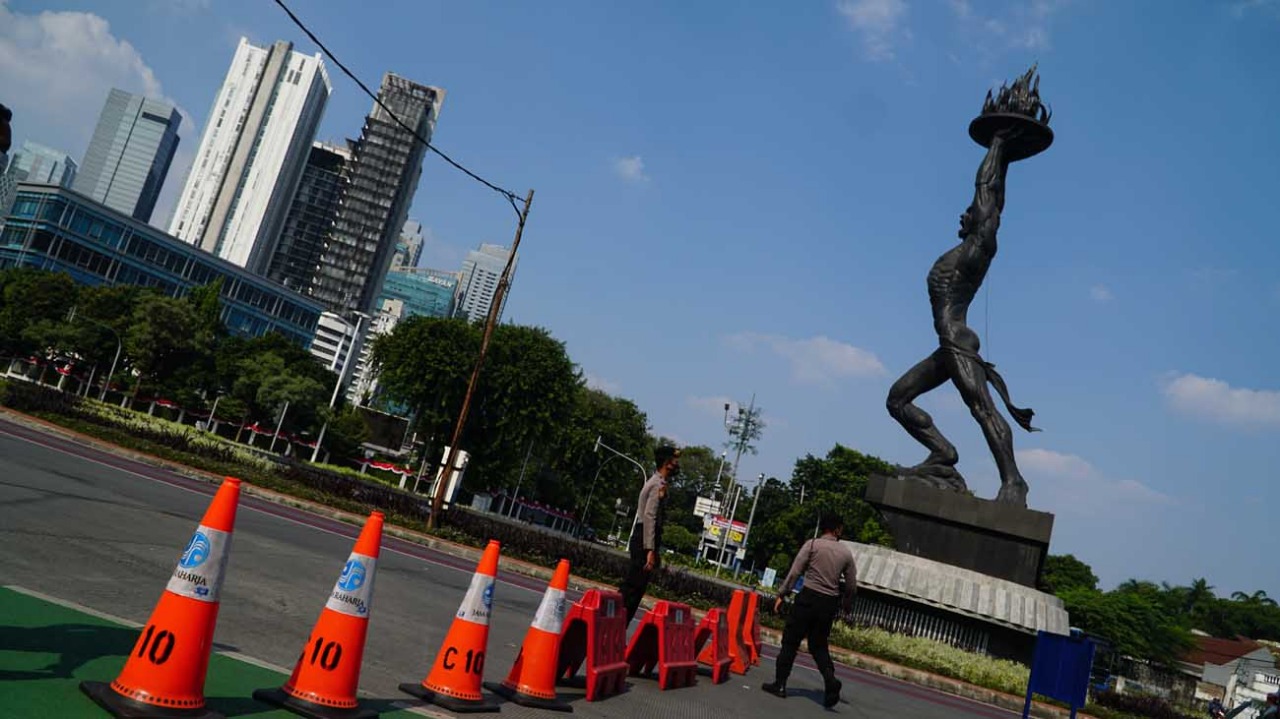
{"x": 310, "y": 219}
{"x": 383, "y": 178}
{"x": 480, "y": 274}
{"x": 252, "y": 154}
{"x": 130, "y": 153}
{"x": 409, "y": 248}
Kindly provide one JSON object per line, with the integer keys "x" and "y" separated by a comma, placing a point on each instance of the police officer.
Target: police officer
{"x": 646, "y": 537}
{"x": 830, "y": 581}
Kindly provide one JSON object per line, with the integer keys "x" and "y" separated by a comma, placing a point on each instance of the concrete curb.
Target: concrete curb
{"x": 528, "y": 569}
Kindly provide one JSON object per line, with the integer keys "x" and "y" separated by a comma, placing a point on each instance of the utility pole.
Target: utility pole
{"x": 744, "y": 424}
{"x": 752, "y": 517}
{"x": 437, "y": 503}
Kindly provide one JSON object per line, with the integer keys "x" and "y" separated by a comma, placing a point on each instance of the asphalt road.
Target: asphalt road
{"x": 104, "y": 531}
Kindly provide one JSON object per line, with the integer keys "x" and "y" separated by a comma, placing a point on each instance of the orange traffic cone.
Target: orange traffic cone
{"x": 532, "y": 681}
{"x": 165, "y": 673}
{"x": 324, "y": 681}
{"x": 455, "y": 679}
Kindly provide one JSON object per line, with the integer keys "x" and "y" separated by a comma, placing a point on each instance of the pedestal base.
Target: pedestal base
{"x": 992, "y": 538}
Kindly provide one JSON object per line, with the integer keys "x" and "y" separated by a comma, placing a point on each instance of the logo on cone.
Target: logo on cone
{"x": 165, "y": 672}
{"x": 456, "y": 677}
{"x": 532, "y": 681}
{"x": 324, "y": 681}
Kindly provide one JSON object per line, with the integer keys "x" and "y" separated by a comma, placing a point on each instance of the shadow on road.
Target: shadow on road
{"x": 74, "y": 644}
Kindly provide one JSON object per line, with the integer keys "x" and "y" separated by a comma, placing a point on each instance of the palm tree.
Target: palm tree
{"x": 1199, "y": 595}
{"x": 1257, "y": 599}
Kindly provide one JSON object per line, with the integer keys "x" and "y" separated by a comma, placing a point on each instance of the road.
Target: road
{"x": 104, "y": 531}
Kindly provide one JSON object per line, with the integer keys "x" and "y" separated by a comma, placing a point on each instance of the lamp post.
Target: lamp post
{"x": 213, "y": 413}
{"x": 643, "y": 477}
{"x": 346, "y": 363}
{"x": 587, "y": 507}
{"x": 71, "y": 315}
{"x": 744, "y": 425}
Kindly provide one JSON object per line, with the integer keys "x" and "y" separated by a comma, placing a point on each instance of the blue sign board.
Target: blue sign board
{"x": 1060, "y": 670}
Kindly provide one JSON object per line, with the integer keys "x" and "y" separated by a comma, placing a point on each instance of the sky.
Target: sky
{"x": 739, "y": 198}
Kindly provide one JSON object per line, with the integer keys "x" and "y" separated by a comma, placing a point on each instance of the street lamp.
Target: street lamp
{"x": 744, "y": 425}
{"x": 587, "y": 507}
{"x": 337, "y": 387}
{"x": 643, "y": 477}
{"x": 71, "y": 315}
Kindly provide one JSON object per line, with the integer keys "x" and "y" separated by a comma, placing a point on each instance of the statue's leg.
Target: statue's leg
{"x": 970, "y": 378}
{"x": 928, "y": 374}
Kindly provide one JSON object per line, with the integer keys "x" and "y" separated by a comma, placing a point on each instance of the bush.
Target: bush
{"x": 32, "y": 398}
{"x": 1140, "y": 705}
{"x": 936, "y": 657}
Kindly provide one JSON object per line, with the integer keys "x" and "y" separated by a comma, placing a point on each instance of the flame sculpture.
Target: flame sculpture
{"x": 1015, "y": 107}
{"x": 1023, "y": 98}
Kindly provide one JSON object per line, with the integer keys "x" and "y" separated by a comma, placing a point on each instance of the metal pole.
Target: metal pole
{"x": 213, "y": 413}
{"x": 743, "y": 431}
{"x": 751, "y": 517}
{"x": 346, "y": 362}
{"x": 279, "y": 424}
{"x": 587, "y": 507}
{"x": 103, "y": 396}
{"x": 724, "y": 535}
{"x": 437, "y": 503}
{"x": 521, "y": 480}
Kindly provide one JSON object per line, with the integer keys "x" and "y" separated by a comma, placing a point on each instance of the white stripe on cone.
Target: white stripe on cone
{"x": 479, "y": 600}
{"x": 353, "y": 592}
{"x": 550, "y": 616}
{"x": 202, "y": 565}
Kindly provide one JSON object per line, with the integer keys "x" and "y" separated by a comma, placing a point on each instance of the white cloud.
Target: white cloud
{"x": 877, "y": 21}
{"x": 1243, "y": 7}
{"x": 817, "y": 360}
{"x": 56, "y": 69}
{"x": 602, "y": 384}
{"x": 631, "y": 169}
{"x": 1101, "y": 293}
{"x": 1071, "y": 483}
{"x": 1022, "y": 25}
{"x": 1215, "y": 400}
{"x": 713, "y": 406}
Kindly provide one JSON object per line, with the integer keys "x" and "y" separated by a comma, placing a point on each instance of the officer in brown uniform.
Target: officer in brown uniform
{"x": 830, "y": 581}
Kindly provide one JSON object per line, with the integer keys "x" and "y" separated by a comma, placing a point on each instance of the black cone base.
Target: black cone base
{"x": 525, "y": 700}
{"x": 457, "y": 706}
{"x": 311, "y": 710}
{"x": 123, "y": 707}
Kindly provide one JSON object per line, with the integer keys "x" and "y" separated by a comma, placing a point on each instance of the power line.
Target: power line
{"x": 509, "y": 195}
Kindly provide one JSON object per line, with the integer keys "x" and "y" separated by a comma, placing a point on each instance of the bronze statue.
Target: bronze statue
{"x": 1012, "y": 126}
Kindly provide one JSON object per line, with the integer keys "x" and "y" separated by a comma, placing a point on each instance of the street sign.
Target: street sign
{"x": 703, "y": 506}
{"x": 770, "y": 576}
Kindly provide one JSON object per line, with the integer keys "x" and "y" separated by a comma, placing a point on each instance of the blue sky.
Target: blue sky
{"x": 745, "y": 197}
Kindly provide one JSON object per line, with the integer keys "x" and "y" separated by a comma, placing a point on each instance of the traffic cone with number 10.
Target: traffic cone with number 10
{"x": 455, "y": 679}
{"x": 325, "y": 679}
{"x": 164, "y": 675}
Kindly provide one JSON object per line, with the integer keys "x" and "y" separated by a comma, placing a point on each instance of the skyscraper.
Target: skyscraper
{"x": 383, "y": 178}
{"x": 310, "y": 219}
{"x": 252, "y": 154}
{"x": 480, "y": 274}
{"x": 409, "y": 248}
{"x": 45, "y": 165}
{"x": 34, "y": 163}
{"x": 129, "y": 155}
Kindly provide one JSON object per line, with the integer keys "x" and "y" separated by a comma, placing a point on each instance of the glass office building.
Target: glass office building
{"x": 424, "y": 292}
{"x": 53, "y": 228}
{"x": 130, "y": 153}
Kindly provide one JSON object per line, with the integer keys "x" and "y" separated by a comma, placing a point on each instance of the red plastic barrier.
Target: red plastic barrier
{"x": 713, "y": 632}
{"x": 665, "y": 640}
{"x": 595, "y": 632}
{"x": 739, "y": 651}
{"x": 752, "y": 635}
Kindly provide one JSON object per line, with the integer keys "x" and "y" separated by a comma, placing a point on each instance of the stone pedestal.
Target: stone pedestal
{"x": 992, "y": 538}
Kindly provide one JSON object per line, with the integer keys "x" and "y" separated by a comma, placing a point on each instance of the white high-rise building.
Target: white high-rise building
{"x": 480, "y": 274}
{"x": 252, "y": 154}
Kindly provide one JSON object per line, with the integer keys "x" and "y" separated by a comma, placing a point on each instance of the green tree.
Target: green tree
{"x": 524, "y": 397}
{"x": 163, "y": 342}
{"x": 1256, "y": 599}
{"x": 33, "y": 309}
{"x": 1063, "y": 572}
{"x": 1134, "y": 619}
{"x": 571, "y": 465}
